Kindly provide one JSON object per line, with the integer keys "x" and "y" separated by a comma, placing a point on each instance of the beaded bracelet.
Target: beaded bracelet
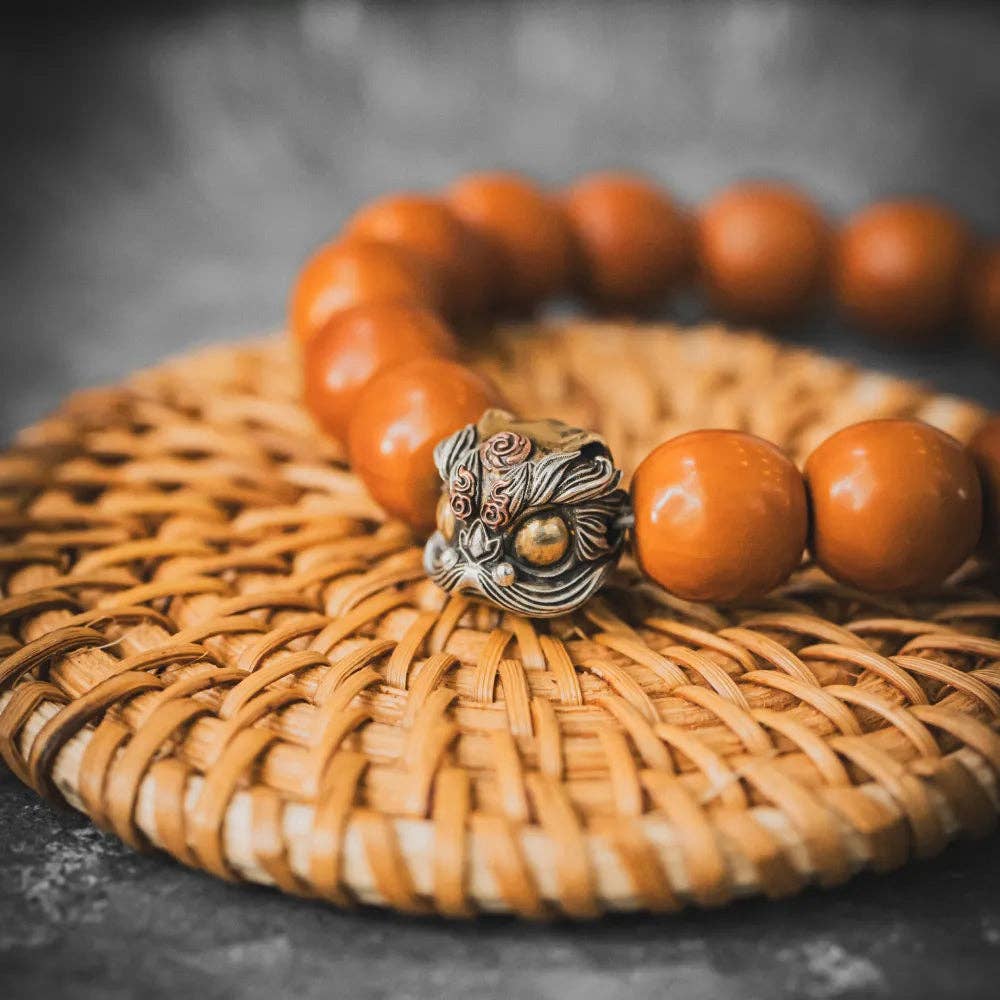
{"x": 530, "y": 514}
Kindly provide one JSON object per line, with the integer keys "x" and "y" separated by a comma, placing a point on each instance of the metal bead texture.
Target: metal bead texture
{"x": 531, "y": 515}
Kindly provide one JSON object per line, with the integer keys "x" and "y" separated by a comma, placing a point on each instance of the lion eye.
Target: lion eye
{"x": 542, "y": 541}
{"x": 445, "y": 517}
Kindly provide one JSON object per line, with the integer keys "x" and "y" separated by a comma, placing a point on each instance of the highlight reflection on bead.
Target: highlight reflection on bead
{"x": 719, "y": 516}
{"x": 896, "y": 505}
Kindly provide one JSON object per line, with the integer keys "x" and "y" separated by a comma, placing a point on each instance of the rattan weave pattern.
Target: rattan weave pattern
{"x": 213, "y": 643}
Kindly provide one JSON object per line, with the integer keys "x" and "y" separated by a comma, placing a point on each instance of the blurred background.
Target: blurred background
{"x": 166, "y": 167}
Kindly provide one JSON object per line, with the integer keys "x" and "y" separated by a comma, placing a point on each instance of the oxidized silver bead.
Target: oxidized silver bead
{"x": 535, "y": 514}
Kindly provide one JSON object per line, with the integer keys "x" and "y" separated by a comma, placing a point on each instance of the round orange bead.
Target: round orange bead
{"x": 526, "y": 231}
{"x": 762, "y": 251}
{"x": 633, "y": 241}
{"x": 983, "y": 296}
{"x": 901, "y": 268}
{"x": 985, "y": 450}
{"x": 719, "y": 516}
{"x": 896, "y": 505}
{"x": 341, "y": 275}
{"x": 428, "y": 227}
{"x": 399, "y": 417}
{"x": 358, "y": 343}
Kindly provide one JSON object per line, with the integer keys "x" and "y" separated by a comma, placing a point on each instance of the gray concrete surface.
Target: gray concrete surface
{"x": 162, "y": 173}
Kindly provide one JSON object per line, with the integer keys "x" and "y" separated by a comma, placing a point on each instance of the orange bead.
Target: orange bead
{"x": 982, "y": 292}
{"x": 985, "y": 450}
{"x": 900, "y": 269}
{"x": 633, "y": 241}
{"x": 341, "y": 275}
{"x": 762, "y": 251}
{"x": 428, "y": 227}
{"x": 358, "y": 343}
{"x": 896, "y": 505}
{"x": 399, "y": 417}
{"x": 719, "y": 516}
{"x": 526, "y": 231}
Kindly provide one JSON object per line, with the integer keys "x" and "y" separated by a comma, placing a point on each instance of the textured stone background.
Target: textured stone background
{"x": 163, "y": 171}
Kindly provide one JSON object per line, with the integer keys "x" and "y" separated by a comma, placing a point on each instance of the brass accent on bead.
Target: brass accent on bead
{"x": 542, "y": 541}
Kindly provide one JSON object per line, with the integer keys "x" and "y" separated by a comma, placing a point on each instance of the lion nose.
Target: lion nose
{"x": 469, "y": 583}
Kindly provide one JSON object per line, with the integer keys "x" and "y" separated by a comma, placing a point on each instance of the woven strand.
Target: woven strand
{"x": 213, "y": 644}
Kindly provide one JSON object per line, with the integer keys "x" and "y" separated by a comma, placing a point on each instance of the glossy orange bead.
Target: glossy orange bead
{"x": 719, "y": 516}
{"x": 633, "y": 241}
{"x": 427, "y": 226}
{"x": 762, "y": 251}
{"x": 349, "y": 273}
{"x": 526, "y": 231}
{"x": 900, "y": 269}
{"x": 896, "y": 505}
{"x": 358, "y": 343}
{"x": 399, "y": 417}
{"x": 982, "y": 293}
{"x": 985, "y": 450}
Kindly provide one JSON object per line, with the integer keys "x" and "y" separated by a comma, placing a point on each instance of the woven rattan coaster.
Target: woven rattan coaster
{"x": 212, "y": 643}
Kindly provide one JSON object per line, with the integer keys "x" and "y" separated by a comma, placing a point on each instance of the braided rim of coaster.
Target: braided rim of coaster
{"x": 214, "y": 644}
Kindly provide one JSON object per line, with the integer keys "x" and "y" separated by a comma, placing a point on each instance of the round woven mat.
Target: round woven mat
{"x": 214, "y": 644}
